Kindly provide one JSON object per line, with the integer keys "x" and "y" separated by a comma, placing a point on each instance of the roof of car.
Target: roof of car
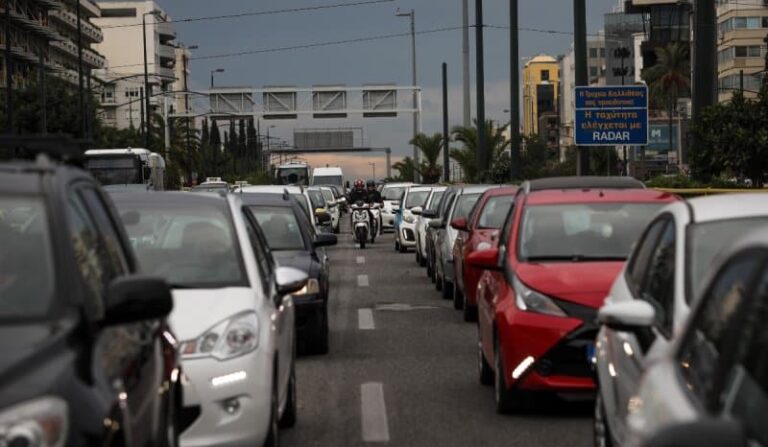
{"x": 552, "y": 197}
{"x": 272, "y": 189}
{"x": 420, "y": 188}
{"x": 398, "y": 185}
{"x": 476, "y": 189}
{"x": 266, "y": 199}
{"x": 585, "y": 182}
{"x": 502, "y": 191}
{"x": 729, "y": 206}
{"x": 170, "y": 197}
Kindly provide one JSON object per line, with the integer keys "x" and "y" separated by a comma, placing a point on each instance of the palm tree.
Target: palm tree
{"x": 670, "y": 78}
{"x": 466, "y": 157}
{"x": 431, "y": 148}
{"x": 405, "y": 169}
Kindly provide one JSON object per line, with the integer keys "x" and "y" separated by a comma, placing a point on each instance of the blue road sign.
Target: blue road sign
{"x": 610, "y": 116}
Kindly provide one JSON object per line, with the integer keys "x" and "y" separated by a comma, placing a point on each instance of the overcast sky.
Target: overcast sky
{"x": 382, "y": 61}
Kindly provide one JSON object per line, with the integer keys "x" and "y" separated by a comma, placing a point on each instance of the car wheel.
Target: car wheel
{"x": 397, "y": 246}
{"x": 507, "y": 400}
{"x": 273, "y": 437}
{"x": 447, "y": 289}
{"x": 320, "y": 342}
{"x": 429, "y": 271}
{"x": 403, "y": 248}
{"x": 470, "y": 312}
{"x": 288, "y": 419}
{"x": 602, "y": 432}
{"x": 458, "y": 297}
{"x": 483, "y": 367}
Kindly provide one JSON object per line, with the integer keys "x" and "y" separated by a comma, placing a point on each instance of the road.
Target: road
{"x": 402, "y": 368}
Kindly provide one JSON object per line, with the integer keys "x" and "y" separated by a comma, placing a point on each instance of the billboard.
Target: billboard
{"x": 379, "y": 102}
{"x": 235, "y": 102}
{"x": 329, "y": 102}
{"x": 323, "y": 139}
{"x": 279, "y": 103}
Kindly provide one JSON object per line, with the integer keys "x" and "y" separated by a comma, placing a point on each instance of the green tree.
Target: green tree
{"x": 466, "y": 156}
{"x": 405, "y": 169}
{"x": 431, "y": 148}
{"x": 670, "y": 78}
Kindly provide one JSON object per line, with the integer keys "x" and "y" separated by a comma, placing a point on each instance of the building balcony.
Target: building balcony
{"x": 167, "y": 55}
{"x": 37, "y": 25}
{"x": 166, "y": 31}
{"x": 87, "y": 7}
{"x": 90, "y": 57}
{"x": 90, "y": 31}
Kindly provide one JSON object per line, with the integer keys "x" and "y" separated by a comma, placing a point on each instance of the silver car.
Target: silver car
{"x": 423, "y": 221}
{"x": 665, "y": 270}
{"x": 717, "y": 366}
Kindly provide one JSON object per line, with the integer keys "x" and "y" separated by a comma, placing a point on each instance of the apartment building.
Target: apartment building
{"x": 540, "y": 91}
{"x": 741, "y": 48}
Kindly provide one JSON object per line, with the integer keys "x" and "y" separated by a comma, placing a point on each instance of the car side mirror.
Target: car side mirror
{"x": 332, "y": 203}
{"x": 429, "y": 214}
{"x": 131, "y": 299}
{"x": 325, "y": 240}
{"x": 436, "y": 224}
{"x": 627, "y": 315}
{"x": 484, "y": 259}
{"x": 459, "y": 224}
{"x": 322, "y": 217}
{"x": 341, "y": 200}
{"x": 416, "y": 210}
{"x": 712, "y": 433}
{"x": 289, "y": 280}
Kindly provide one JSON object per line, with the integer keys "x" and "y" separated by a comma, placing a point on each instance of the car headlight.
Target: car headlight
{"x": 231, "y": 338}
{"x": 409, "y": 218}
{"x": 312, "y": 288}
{"x": 532, "y": 301}
{"x": 42, "y": 422}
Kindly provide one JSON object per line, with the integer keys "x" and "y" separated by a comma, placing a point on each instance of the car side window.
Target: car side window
{"x": 640, "y": 262}
{"x": 705, "y": 347}
{"x": 263, "y": 257}
{"x": 110, "y": 236}
{"x": 658, "y": 286}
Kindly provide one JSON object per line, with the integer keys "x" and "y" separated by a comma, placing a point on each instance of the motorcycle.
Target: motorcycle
{"x": 375, "y": 211}
{"x": 361, "y": 223}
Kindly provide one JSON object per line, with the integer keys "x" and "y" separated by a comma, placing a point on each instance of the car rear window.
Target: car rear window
{"x": 464, "y": 205}
{"x": 417, "y": 198}
{"x": 280, "y": 226}
{"x": 495, "y": 211}
{"x": 393, "y": 193}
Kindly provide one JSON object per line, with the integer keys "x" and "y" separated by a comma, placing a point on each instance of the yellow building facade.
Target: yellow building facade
{"x": 541, "y": 82}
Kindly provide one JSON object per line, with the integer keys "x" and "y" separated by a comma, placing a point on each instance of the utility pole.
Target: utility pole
{"x": 482, "y": 150}
{"x": 465, "y": 56}
{"x": 415, "y": 82}
{"x": 80, "y": 79}
{"x": 704, "y": 62}
{"x": 446, "y": 135}
{"x": 146, "y": 118}
{"x": 582, "y": 79}
{"x": 623, "y": 53}
{"x": 8, "y": 72}
{"x": 514, "y": 89}
{"x": 41, "y": 80}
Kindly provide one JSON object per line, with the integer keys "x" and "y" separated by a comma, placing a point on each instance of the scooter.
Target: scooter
{"x": 361, "y": 223}
{"x": 375, "y": 211}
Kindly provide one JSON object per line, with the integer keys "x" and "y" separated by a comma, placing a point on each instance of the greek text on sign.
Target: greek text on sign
{"x": 607, "y": 116}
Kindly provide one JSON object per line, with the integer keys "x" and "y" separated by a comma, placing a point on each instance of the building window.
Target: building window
{"x": 110, "y": 114}
{"x": 108, "y": 95}
{"x": 593, "y": 72}
{"x": 133, "y": 92}
{"x": 593, "y": 53}
{"x": 741, "y": 51}
{"x": 118, "y": 12}
{"x": 730, "y": 83}
{"x": 602, "y": 52}
{"x": 545, "y": 75}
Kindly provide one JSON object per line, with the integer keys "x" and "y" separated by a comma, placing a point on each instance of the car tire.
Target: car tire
{"x": 397, "y": 246}
{"x": 437, "y": 280}
{"x": 288, "y": 419}
{"x": 483, "y": 367}
{"x": 418, "y": 256}
{"x": 429, "y": 271}
{"x": 470, "y": 312}
{"x": 458, "y": 297}
{"x": 602, "y": 433}
{"x": 320, "y": 340}
{"x": 507, "y": 400}
{"x": 273, "y": 436}
{"x": 447, "y": 289}
{"x": 403, "y": 249}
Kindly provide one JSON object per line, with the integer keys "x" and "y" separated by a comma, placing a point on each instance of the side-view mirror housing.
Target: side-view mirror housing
{"x": 322, "y": 216}
{"x": 709, "y": 432}
{"x": 429, "y": 214}
{"x": 417, "y": 210}
{"x": 436, "y": 224}
{"x": 627, "y": 315}
{"x": 289, "y": 280}
{"x": 325, "y": 240}
{"x": 332, "y": 203}
{"x": 460, "y": 224}
{"x": 484, "y": 259}
{"x": 341, "y": 200}
{"x": 131, "y": 299}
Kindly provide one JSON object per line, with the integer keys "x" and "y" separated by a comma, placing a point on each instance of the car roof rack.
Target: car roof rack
{"x": 586, "y": 182}
{"x": 28, "y": 147}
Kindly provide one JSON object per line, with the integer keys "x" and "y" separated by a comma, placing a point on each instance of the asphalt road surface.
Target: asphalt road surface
{"x": 402, "y": 369}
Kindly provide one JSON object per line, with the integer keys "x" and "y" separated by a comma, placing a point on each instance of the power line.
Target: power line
{"x": 260, "y": 13}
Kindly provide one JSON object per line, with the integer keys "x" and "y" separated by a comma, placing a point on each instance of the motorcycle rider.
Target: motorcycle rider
{"x": 358, "y": 194}
{"x": 374, "y": 196}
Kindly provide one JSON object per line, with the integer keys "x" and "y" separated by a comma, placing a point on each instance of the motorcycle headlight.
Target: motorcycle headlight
{"x": 231, "y": 338}
{"x": 42, "y": 422}
{"x": 312, "y": 288}
{"x": 530, "y": 300}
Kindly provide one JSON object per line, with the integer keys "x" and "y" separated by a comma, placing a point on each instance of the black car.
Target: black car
{"x": 86, "y": 357}
{"x": 294, "y": 243}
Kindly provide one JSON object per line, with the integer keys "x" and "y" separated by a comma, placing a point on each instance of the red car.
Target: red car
{"x": 480, "y": 233}
{"x": 560, "y": 250}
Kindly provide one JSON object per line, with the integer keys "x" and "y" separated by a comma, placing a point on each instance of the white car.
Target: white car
{"x": 422, "y": 222}
{"x": 334, "y": 207}
{"x": 297, "y": 191}
{"x": 233, "y": 313}
{"x": 405, "y": 236}
{"x": 665, "y": 270}
{"x": 716, "y": 369}
{"x": 392, "y": 195}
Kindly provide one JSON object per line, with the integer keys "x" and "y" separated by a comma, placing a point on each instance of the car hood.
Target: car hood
{"x": 301, "y": 260}
{"x": 197, "y": 310}
{"x": 23, "y": 345}
{"x": 585, "y": 283}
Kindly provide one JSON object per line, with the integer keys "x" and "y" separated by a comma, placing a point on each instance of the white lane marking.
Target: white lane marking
{"x": 361, "y": 259}
{"x": 362, "y": 281}
{"x": 374, "y": 413}
{"x": 365, "y": 320}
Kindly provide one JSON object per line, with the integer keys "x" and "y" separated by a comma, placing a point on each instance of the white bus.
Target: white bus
{"x": 127, "y": 169}
{"x": 294, "y": 173}
{"x": 328, "y": 176}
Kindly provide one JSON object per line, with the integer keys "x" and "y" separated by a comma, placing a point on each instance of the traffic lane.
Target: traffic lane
{"x": 424, "y": 356}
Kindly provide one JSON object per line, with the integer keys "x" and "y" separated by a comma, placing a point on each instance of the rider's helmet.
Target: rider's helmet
{"x": 370, "y": 184}
{"x": 359, "y": 184}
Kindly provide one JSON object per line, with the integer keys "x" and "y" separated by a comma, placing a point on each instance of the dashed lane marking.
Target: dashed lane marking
{"x": 361, "y": 259}
{"x": 365, "y": 320}
{"x": 362, "y": 281}
{"x": 374, "y": 412}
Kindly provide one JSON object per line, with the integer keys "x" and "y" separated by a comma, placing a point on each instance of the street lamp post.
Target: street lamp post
{"x": 185, "y": 59}
{"x": 373, "y": 165}
{"x": 213, "y": 72}
{"x": 412, "y": 16}
{"x": 147, "y": 93}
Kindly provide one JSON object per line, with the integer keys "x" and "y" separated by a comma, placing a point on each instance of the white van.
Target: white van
{"x": 327, "y": 176}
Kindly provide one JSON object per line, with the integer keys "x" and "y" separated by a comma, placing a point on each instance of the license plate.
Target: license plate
{"x": 591, "y": 353}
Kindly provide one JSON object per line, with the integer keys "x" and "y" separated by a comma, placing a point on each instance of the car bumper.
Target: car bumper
{"x": 309, "y": 312}
{"x": 407, "y": 235}
{"x": 559, "y": 348}
{"x": 248, "y": 424}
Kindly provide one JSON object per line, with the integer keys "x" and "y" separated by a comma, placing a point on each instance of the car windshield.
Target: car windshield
{"x": 115, "y": 169}
{"x": 435, "y": 199}
{"x": 495, "y": 212}
{"x": 585, "y": 231}
{"x": 464, "y": 205}
{"x": 416, "y": 198}
{"x": 317, "y": 198}
{"x": 706, "y": 240}
{"x": 190, "y": 245}
{"x": 280, "y": 226}
{"x": 393, "y": 193}
{"x": 293, "y": 176}
{"x": 26, "y": 261}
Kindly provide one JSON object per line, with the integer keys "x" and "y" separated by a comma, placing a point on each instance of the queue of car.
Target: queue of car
{"x": 200, "y": 353}
{"x": 599, "y": 288}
